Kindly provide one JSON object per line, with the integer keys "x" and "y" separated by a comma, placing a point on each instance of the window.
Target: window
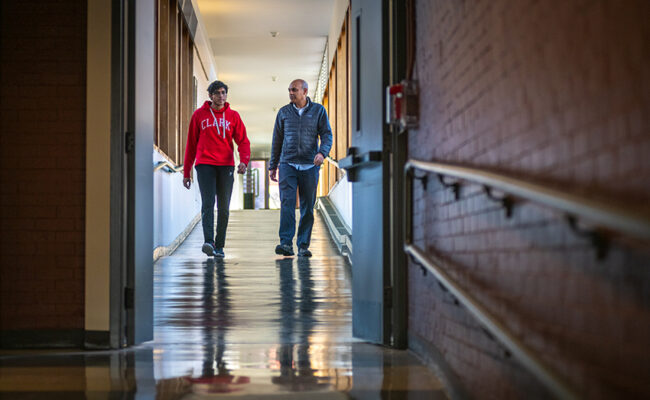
{"x": 175, "y": 82}
{"x": 338, "y": 103}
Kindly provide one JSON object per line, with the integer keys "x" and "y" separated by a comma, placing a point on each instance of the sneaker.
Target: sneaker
{"x": 304, "y": 252}
{"x": 208, "y": 248}
{"x": 218, "y": 252}
{"x": 284, "y": 250}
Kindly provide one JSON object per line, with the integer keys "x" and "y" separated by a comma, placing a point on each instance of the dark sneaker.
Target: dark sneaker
{"x": 284, "y": 250}
{"x": 304, "y": 252}
{"x": 218, "y": 252}
{"x": 208, "y": 248}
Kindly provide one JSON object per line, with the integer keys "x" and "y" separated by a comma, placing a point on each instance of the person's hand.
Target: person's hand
{"x": 187, "y": 182}
{"x": 273, "y": 175}
{"x": 318, "y": 160}
{"x": 241, "y": 168}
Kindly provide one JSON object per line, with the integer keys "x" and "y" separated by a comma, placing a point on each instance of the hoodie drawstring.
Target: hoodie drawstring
{"x": 223, "y": 121}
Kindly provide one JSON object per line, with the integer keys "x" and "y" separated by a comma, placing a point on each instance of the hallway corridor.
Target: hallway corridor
{"x": 254, "y": 325}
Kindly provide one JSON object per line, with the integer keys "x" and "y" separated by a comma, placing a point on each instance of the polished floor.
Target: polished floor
{"x": 252, "y": 326}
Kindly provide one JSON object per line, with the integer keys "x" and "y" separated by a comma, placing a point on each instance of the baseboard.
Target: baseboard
{"x": 163, "y": 251}
{"x": 433, "y": 359}
{"x": 97, "y": 340}
{"x": 54, "y": 339}
{"x": 41, "y": 338}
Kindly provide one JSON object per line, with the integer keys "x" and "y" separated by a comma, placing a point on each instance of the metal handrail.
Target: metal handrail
{"x": 546, "y": 375}
{"x": 168, "y": 167}
{"x": 608, "y": 215}
{"x": 333, "y": 162}
{"x": 604, "y": 214}
{"x": 336, "y": 164}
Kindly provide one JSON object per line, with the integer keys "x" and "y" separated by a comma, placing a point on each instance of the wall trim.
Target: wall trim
{"x": 41, "y": 338}
{"x": 162, "y": 251}
{"x": 97, "y": 248}
{"x": 54, "y": 339}
{"x": 97, "y": 340}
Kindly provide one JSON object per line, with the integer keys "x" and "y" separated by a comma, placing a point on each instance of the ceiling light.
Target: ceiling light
{"x": 273, "y": 33}
{"x": 274, "y": 78}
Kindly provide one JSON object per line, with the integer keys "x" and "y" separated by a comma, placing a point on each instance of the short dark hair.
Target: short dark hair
{"x": 216, "y": 85}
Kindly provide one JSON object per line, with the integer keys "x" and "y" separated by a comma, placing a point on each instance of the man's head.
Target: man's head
{"x": 218, "y": 93}
{"x": 298, "y": 92}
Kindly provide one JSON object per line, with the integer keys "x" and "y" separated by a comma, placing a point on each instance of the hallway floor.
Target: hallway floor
{"x": 254, "y": 325}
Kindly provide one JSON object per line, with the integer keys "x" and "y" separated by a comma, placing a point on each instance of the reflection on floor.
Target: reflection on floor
{"x": 254, "y": 325}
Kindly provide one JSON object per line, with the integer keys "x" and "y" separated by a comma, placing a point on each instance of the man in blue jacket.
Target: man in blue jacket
{"x": 297, "y": 153}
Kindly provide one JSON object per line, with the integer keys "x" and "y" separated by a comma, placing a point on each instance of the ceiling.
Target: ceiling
{"x": 248, "y": 58}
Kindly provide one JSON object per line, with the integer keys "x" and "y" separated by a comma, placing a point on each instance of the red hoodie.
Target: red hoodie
{"x": 210, "y": 136}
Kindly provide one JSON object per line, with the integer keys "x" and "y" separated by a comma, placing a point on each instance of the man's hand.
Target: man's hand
{"x": 187, "y": 182}
{"x": 318, "y": 160}
{"x": 241, "y": 168}
{"x": 273, "y": 175}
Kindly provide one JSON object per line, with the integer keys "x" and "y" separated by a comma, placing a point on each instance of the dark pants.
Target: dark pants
{"x": 306, "y": 182}
{"x": 215, "y": 180}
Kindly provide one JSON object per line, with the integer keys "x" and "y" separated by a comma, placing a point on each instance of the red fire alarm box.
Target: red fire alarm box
{"x": 402, "y": 104}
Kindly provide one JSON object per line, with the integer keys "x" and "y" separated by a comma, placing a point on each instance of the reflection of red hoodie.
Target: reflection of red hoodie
{"x": 210, "y": 136}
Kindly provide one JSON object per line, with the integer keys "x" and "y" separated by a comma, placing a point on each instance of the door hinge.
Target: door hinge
{"x": 129, "y": 142}
{"x": 388, "y": 297}
{"x": 129, "y": 298}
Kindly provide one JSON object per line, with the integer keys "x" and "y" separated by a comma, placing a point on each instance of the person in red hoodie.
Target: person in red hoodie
{"x": 213, "y": 128}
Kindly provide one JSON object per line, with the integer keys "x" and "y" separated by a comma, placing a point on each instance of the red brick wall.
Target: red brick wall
{"x": 559, "y": 92}
{"x": 42, "y": 164}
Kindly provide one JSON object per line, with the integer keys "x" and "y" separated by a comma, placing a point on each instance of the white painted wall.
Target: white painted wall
{"x": 174, "y": 206}
{"x": 341, "y": 196}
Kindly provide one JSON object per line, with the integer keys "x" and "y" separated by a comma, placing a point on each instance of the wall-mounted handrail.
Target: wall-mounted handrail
{"x": 167, "y": 167}
{"x": 607, "y": 215}
{"x": 336, "y": 164}
{"x": 547, "y": 376}
{"x": 333, "y": 162}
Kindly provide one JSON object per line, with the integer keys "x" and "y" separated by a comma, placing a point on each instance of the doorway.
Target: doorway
{"x": 257, "y": 187}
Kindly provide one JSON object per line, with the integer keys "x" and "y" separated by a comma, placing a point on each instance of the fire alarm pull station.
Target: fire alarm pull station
{"x": 402, "y": 105}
